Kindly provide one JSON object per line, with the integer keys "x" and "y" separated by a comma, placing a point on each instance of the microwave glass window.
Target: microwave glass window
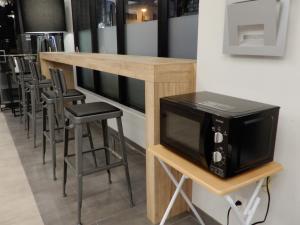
{"x": 256, "y": 136}
{"x": 177, "y": 127}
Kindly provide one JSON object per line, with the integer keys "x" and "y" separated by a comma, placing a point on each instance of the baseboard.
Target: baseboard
{"x": 207, "y": 218}
{"x": 129, "y": 143}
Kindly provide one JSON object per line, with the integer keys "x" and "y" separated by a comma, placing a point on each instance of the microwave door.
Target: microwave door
{"x": 182, "y": 130}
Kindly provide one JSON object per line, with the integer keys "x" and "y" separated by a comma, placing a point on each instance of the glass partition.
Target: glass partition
{"x": 85, "y": 77}
{"x": 133, "y": 27}
{"x": 183, "y": 28}
{"x": 107, "y": 84}
{"x": 141, "y": 39}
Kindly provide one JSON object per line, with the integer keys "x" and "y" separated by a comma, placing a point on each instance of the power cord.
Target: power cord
{"x": 268, "y": 206}
{"x": 238, "y": 203}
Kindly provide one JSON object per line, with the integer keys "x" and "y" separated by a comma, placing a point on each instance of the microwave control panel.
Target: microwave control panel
{"x": 219, "y": 153}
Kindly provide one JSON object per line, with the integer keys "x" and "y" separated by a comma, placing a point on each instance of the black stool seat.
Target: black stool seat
{"x": 41, "y": 82}
{"x": 91, "y": 109}
{"x": 26, "y": 79}
{"x": 70, "y": 93}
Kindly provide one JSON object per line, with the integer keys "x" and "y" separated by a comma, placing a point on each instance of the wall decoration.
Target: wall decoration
{"x": 256, "y": 27}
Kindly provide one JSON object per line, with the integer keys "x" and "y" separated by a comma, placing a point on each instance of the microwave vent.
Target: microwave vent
{"x": 216, "y": 105}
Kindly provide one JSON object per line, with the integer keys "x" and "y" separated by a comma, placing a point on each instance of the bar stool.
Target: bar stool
{"x": 23, "y": 78}
{"x": 17, "y": 78}
{"x": 35, "y": 87}
{"x": 78, "y": 115}
{"x": 12, "y": 81}
{"x": 53, "y": 110}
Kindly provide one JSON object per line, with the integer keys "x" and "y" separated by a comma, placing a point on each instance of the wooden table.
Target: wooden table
{"x": 222, "y": 187}
{"x": 163, "y": 77}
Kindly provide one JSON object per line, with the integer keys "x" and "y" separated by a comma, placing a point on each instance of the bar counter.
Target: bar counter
{"x": 163, "y": 77}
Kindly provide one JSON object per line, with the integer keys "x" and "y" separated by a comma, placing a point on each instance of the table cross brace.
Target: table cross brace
{"x": 176, "y": 193}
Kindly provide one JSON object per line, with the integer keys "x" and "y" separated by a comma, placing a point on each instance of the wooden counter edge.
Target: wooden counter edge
{"x": 175, "y": 71}
{"x": 211, "y": 182}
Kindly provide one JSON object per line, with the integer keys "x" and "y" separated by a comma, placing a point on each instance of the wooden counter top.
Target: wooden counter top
{"x": 206, "y": 179}
{"x": 151, "y": 69}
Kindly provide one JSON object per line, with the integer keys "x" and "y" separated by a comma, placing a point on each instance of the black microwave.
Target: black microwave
{"x": 223, "y": 134}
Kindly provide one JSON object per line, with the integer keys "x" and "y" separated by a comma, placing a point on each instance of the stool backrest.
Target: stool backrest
{"x": 59, "y": 90}
{"x": 63, "y": 82}
{"x": 36, "y": 76}
{"x": 35, "y": 71}
{"x": 12, "y": 66}
{"x": 21, "y": 66}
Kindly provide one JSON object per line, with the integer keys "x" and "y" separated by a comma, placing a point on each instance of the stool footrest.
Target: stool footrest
{"x": 89, "y": 151}
{"x": 112, "y": 165}
{"x": 98, "y": 169}
{"x": 46, "y": 134}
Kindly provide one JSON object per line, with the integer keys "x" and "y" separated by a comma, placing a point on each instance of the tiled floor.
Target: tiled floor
{"x": 103, "y": 204}
{"x": 17, "y": 205}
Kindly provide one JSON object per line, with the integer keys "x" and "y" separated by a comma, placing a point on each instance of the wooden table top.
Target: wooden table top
{"x": 211, "y": 182}
{"x": 154, "y": 69}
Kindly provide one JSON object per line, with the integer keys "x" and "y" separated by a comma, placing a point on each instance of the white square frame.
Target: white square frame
{"x": 277, "y": 50}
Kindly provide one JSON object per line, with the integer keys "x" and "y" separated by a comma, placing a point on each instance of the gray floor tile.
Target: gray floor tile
{"x": 103, "y": 204}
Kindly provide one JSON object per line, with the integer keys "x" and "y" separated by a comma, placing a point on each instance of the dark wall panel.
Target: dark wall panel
{"x": 43, "y": 15}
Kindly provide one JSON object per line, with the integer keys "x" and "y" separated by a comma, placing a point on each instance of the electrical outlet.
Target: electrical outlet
{"x": 242, "y": 199}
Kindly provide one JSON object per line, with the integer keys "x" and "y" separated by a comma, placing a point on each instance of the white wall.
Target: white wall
{"x": 270, "y": 80}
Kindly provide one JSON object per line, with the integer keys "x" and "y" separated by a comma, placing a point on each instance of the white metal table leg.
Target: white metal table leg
{"x": 177, "y": 191}
{"x": 247, "y": 215}
{"x": 181, "y": 182}
{"x": 253, "y": 197}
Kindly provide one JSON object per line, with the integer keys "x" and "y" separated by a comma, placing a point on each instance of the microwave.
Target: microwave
{"x": 223, "y": 134}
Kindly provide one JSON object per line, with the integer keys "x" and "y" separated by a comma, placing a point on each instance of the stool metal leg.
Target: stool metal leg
{"x": 51, "y": 117}
{"x": 91, "y": 143}
{"x": 20, "y": 102}
{"x": 33, "y": 106}
{"x": 27, "y": 113}
{"x": 44, "y": 131}
{"x": 78, "y": 152}
{"x": 20, "y": 97}
{"x": 66, "y": 146}
{"x": 106, "y": 146}
{"x": 33, "y": 115}
{"x": 26, "y": 108}
{"x": 124, "y": 156}
{"x": 89, "y": 136}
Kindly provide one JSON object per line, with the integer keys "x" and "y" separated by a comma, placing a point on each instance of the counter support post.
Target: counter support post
{"x": 159, "y": 187}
